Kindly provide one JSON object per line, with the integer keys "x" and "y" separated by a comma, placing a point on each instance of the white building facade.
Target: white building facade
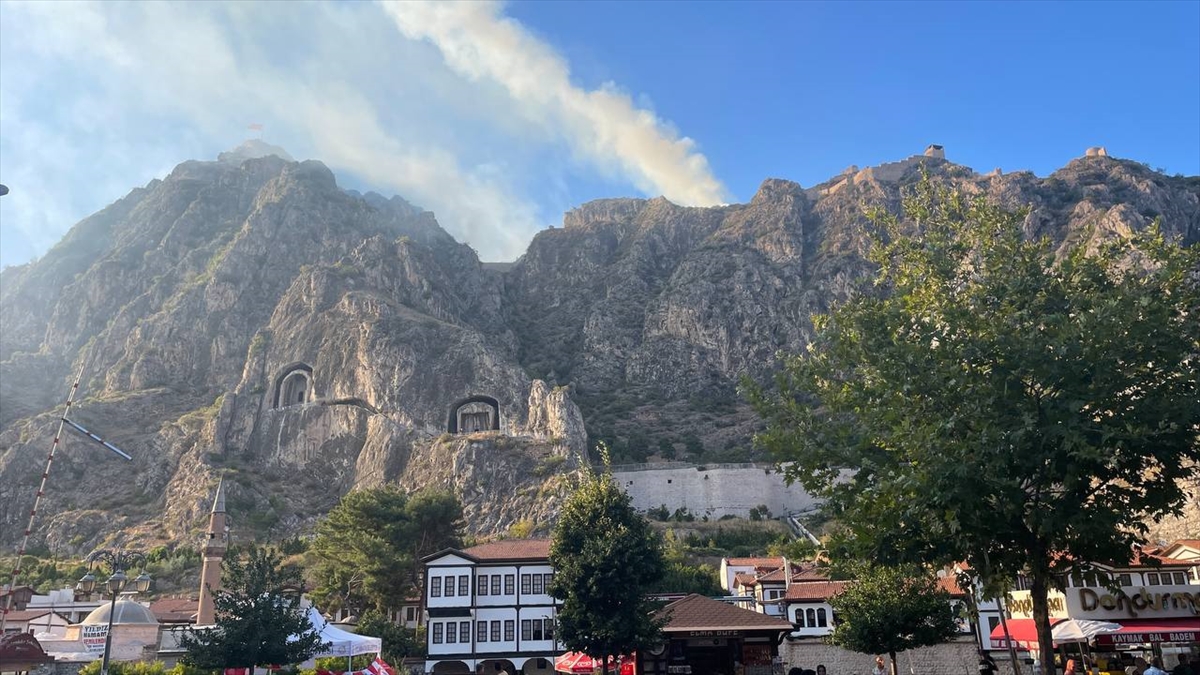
{"x": 489, "y": 609}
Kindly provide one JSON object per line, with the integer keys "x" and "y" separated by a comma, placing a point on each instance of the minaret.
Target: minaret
{"x": 213, "y": 552}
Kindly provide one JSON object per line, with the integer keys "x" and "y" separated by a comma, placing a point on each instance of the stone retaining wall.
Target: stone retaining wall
{"x": 951, "y": 658}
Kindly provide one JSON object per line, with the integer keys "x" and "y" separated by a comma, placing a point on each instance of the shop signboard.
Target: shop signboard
{"x": 93, "y": 636}
{"x": 1149, "y": 636}
{"x": 1102, "y": 604}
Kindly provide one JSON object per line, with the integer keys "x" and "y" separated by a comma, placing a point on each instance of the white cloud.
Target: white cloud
{"x": 603, "y": 125}
{"x": 96, "y": 98}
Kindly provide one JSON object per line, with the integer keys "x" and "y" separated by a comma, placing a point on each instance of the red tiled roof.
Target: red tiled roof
{"x": 696, "y": 612}
{"x": 511, "y": 549}
{"x": 755, "y": 562}
{"x": 809, "y": 591}
{"x": 950, "y": 584}
{"x": 1191, "y": 543}
{"x": 175, "y": 610}
{"x": 745, "y": 579}
{"x": 807, "y": 570}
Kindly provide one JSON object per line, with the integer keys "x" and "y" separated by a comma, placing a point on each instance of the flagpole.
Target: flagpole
{"x": 37, "y": 499}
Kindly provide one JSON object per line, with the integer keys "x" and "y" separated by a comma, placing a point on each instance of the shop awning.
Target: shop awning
{"x": 1139, "y": 631}
{"x": 1022, "y": 632}
{"x": 578, "y": 662}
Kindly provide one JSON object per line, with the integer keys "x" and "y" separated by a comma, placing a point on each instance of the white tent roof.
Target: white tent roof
{"x": 342, "y": 642}
{"x": 1082, "y": 630}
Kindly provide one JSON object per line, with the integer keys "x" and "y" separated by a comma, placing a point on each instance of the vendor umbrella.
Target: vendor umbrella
{"x": 1081, "y": 630}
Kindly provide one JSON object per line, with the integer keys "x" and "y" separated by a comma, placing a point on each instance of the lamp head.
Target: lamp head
{"x": 87, "y": 583}
{"x": 116, "y": 583}
{"x": 142, "y": 583}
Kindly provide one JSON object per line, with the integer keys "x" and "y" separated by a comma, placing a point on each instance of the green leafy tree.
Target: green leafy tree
{"x": 258, "y": 621}
{"x": 795, "y": 550}
{"x": 994, "y": 400}
{"x": 398, "y": 641}
{"x": 367, "y": 552}
{"x": 680, "y": 575}
{"x": 606, "y": 558}
{"x": 888, "y": 610}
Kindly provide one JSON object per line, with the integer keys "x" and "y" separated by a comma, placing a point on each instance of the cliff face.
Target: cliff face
{"x": 248, "y": 318}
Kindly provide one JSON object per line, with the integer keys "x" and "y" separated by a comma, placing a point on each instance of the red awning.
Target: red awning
{"x": 1022, "y": 632}
{"x": 1138, "y": 631}
{"x": 578, "y": 662}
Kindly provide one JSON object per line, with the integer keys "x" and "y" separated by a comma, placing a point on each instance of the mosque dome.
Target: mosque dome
{"x": 128, "y": 612}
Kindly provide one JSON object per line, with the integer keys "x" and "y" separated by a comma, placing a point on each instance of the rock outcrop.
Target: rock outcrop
{"x": 248, "y": 318}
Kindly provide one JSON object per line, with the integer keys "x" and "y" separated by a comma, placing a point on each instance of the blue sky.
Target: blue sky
{"x": 498, "y": 117}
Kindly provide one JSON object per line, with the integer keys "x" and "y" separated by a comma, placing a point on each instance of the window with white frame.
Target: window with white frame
{"x": 821, "y": 622}
{"x": 546, "y": 579}
{"x": 435, "y": 587}
{"x": 464, "y": 631}
{"x": 448, "y": 587}
{"x": 464, "y": 585}
{"x": 1152, "y": 578}
{"x": 437, "y": 633}
{"x": 537, "y": 584}
{"x": 451, "y": 632}
{"x": 481, "y": 631}
{"x": 526, "y": 584}
{"x": 481, "y": 586}
{"x": 509, "y": 584}
{"x": 495, "y": 584}
{"x": 510, "y": 630}
{"x": 496, "y": 631}
{"x": 410, "y": 613}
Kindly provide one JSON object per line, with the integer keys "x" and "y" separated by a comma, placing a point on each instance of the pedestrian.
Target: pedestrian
{"x": 879, "y": 669}
{"x": 1070, "y": 667}
{"x": 821, "y": 669}
{"x": 1139, "y": 666}
{"x": 1184, "y": 667}
{"x": 1155, "y": 667}
{"x": 987, "y": 665}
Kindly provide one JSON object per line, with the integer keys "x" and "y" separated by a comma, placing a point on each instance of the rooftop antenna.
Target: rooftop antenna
{"x": 11, "y": 587}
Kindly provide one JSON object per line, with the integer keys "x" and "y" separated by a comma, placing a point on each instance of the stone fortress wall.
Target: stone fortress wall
{"x": 712, "y": 490}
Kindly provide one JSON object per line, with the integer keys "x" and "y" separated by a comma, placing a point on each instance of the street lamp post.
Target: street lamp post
{"x": 118, "y": 561}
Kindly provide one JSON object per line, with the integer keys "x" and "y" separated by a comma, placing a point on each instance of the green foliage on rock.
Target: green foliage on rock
{"x": 681, "y": 575}
{"x": 993, "y": 400}
{"x": 887, "y": 610}
{"x": 259, "y": 620}
{"x": 367, "y": 552}
{"x": 606, "y": 558}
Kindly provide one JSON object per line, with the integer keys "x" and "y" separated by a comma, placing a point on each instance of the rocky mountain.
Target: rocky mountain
{"x": 248, "y": 318}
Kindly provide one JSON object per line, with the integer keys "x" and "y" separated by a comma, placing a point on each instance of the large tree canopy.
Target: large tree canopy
{"x": 368, "y": 549}
{"x": 259, "y": 620}
{"x": 605, "y": 558}
{"x": 887, "y": 610}
{"x": 992, "y": 399}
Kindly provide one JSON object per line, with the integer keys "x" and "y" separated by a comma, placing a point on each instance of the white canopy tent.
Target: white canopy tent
{"x": 342, "y": 642}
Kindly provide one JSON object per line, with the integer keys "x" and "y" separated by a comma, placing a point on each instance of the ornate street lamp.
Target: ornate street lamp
{"x": 118, "y": 561}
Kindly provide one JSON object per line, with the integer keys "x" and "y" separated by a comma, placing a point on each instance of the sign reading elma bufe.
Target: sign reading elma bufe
{"x": 1151, "y": 602}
